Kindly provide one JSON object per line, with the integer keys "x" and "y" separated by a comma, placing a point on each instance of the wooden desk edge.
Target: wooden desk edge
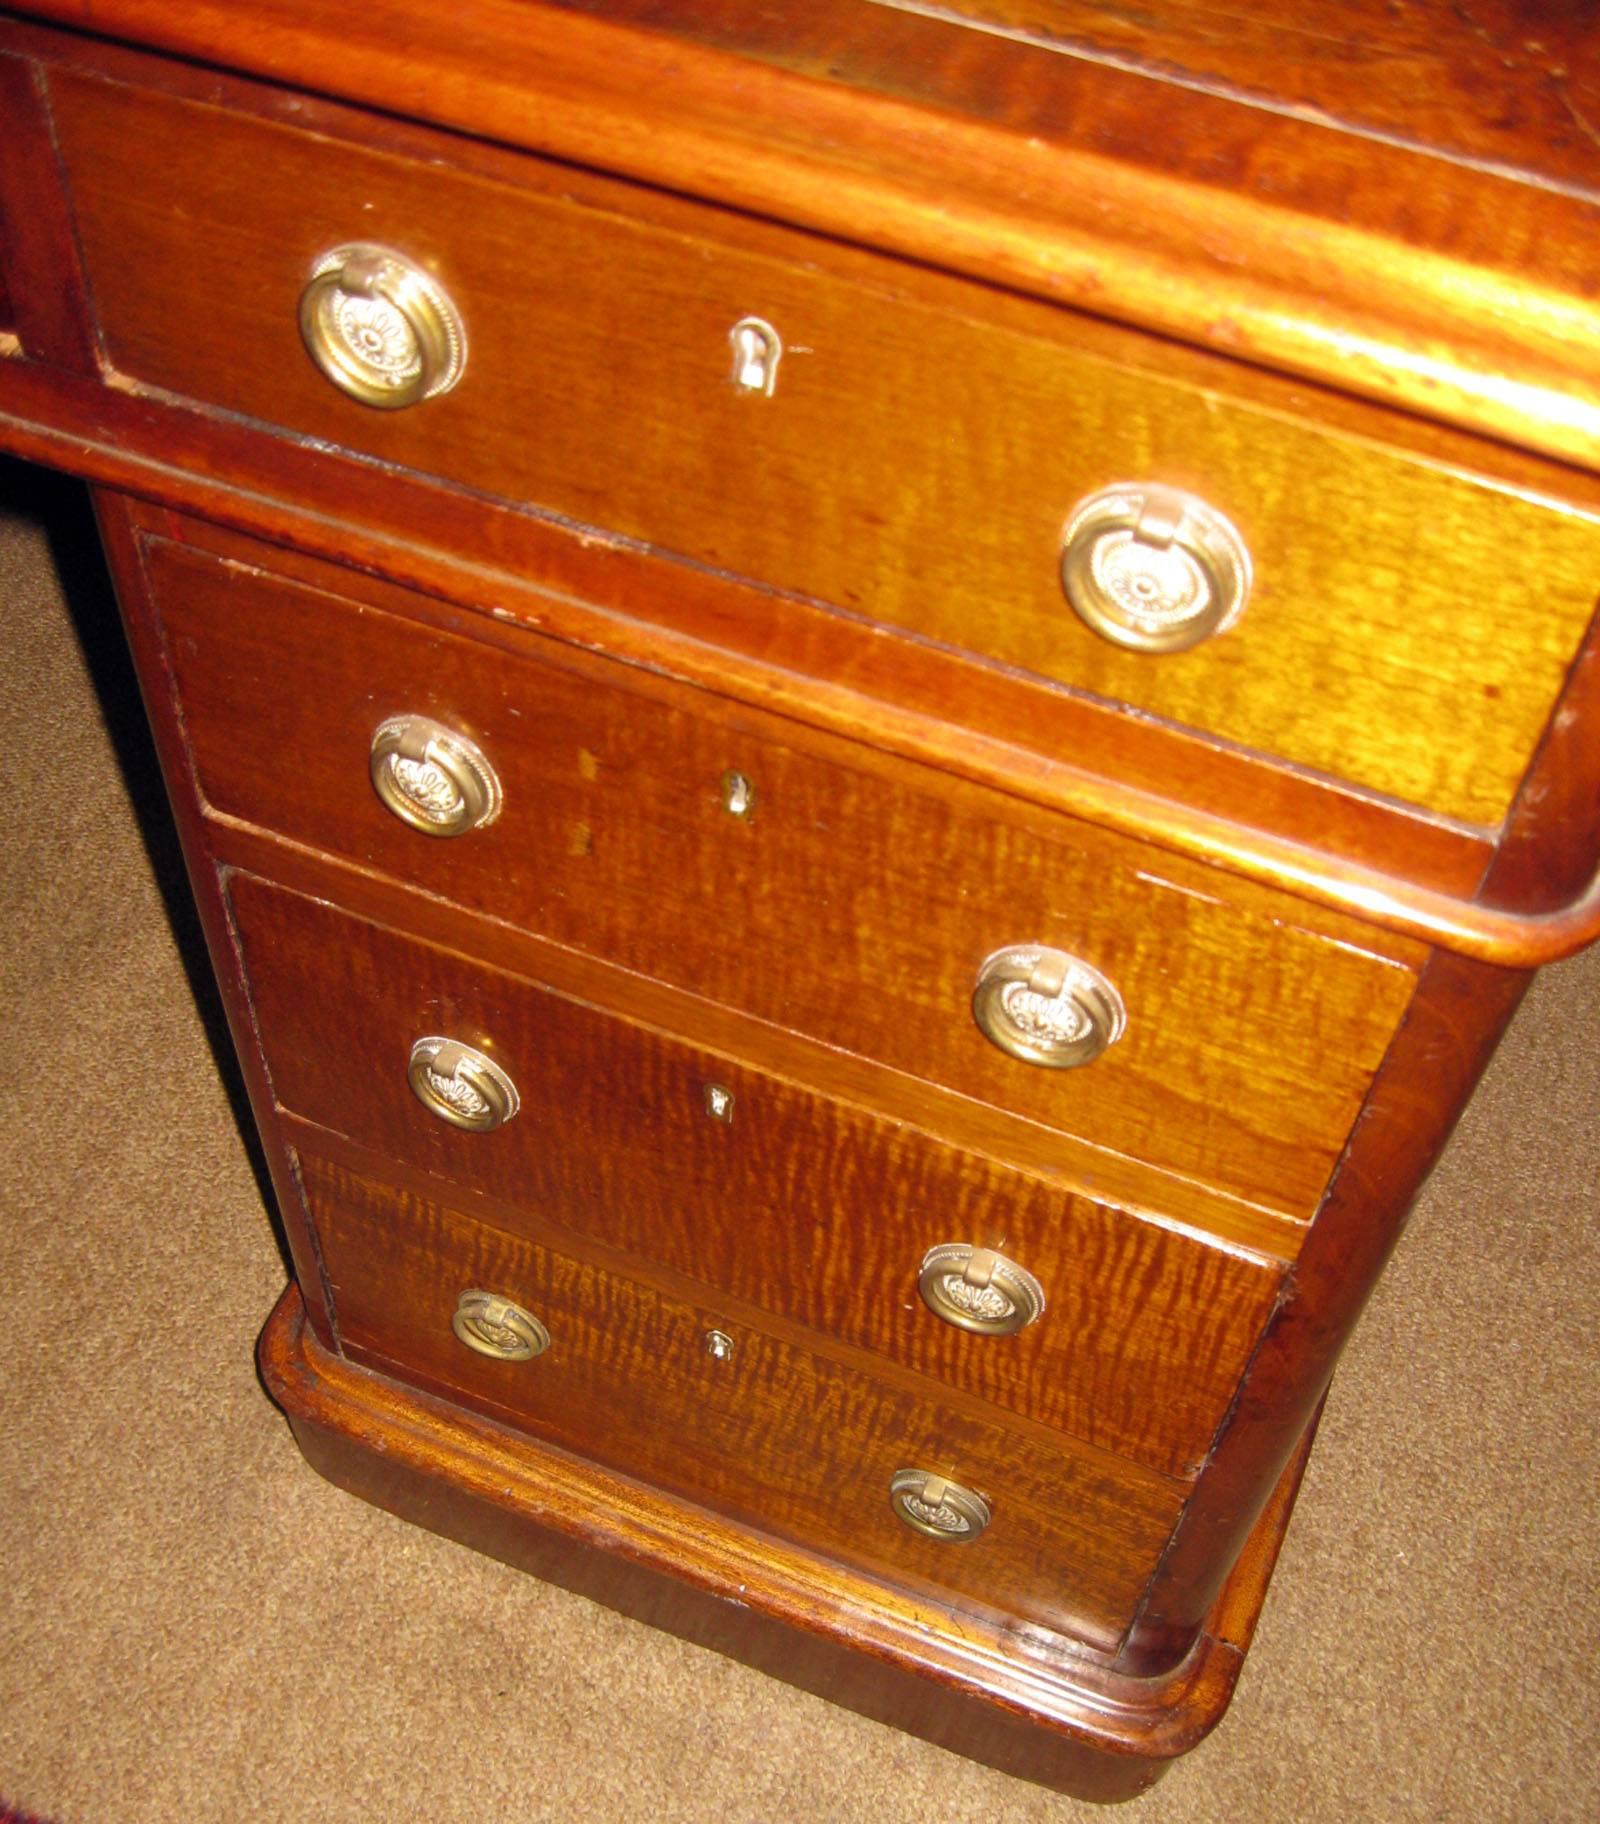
{"x": 1351, "y": 304}
{"x": 1508, "y": 939}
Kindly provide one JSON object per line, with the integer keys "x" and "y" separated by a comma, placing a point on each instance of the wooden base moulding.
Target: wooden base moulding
{"x": 1018, "y": 1699}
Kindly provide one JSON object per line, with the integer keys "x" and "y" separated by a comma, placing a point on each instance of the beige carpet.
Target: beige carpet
{"x": 194, "y": 1627}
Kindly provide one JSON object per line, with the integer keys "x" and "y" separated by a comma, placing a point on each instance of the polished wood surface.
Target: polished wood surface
{"x": 1494, "y": 82}
{"x": 800, "y": 1204}
{"x": 1294, "y": 830}
{"x": 1171, "y": 1202}
{"x": 776, "y": 1437}
{"x": 1401, "y": 873}
{"x": 615, "y": 840}
{"x": 1457, "y": 289}
{"x": 847, "y": 485}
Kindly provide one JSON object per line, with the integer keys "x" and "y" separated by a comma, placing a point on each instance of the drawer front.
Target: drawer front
{"x": 857, "y": 908}
{"x": 913, "y": 464}
{"x": 799, "y": 1204}
{"x": 778, "y": 1437}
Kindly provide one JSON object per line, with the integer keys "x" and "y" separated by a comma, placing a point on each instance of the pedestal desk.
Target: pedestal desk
{"x": 875, "y": 708}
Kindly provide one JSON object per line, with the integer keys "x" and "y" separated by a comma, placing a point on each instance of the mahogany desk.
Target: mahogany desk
{"x": 874, "y": 718}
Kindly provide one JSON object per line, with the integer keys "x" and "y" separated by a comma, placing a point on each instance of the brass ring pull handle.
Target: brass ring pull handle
{"x": 978, "y": 1290}
{"x": 494, "y": 1326}
{"x": 380, "y": 328}
{"x": 1044, "y": 1007}
{"x": 461, "y": 1085}
{"x": 1153, "y": 569}
{"x": 931, "y": 1504}
{"x": 433, "y": 778}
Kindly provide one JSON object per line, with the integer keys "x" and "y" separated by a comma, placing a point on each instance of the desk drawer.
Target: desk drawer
{"x": 1408, "y": 626}
{"x": 855, "y": 906}
{"x": 777, "y": 1436}
{"x": 799, "y": 1204}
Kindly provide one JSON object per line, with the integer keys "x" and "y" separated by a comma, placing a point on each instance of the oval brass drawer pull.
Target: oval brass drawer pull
{"x": 460, "y": 1085}
{"x": 432, "y": 777}
{"x": 380, "y": 328}
{"x": 1045, "y": 1007}
{"x": 931, "y": 1504}
{"x": 1153, "y": 569}
{"x": 494, "y": 1326}
{"x": 979, "y": 1290}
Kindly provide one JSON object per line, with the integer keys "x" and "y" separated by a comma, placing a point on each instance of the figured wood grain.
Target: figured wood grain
{"x": 1065, "y": 1162}
{"x": 1462, "y": 293}
{"x": 1478, "y": 288}
{"x": 987, "y": 1389}
{"x": 775, "y": 1437}
{"x": 800, "y": 1204}
{"x": 1035, "y": 1707}
{"x": 1168, "y": 1728}
{"x": 1482, "y": 296}
{"x": 915, "y": 466}
{"x": 856, "y": 907}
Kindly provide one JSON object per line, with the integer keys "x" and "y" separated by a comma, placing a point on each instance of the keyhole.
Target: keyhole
{"x": 738, "y": 795}
{"x": 757, "y": 350}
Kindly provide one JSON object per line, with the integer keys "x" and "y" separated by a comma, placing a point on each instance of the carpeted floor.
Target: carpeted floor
{"x": 194, "y": 1627}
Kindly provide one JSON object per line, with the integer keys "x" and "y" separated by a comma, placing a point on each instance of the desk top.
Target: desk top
{"x": 1511, "y": 88}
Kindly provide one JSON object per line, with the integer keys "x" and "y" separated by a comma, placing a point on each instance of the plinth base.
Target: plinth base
{"x": 1032, "y": 1704}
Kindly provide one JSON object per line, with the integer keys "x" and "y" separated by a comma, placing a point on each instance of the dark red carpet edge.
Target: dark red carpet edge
{"x": 12, "y": 1814}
